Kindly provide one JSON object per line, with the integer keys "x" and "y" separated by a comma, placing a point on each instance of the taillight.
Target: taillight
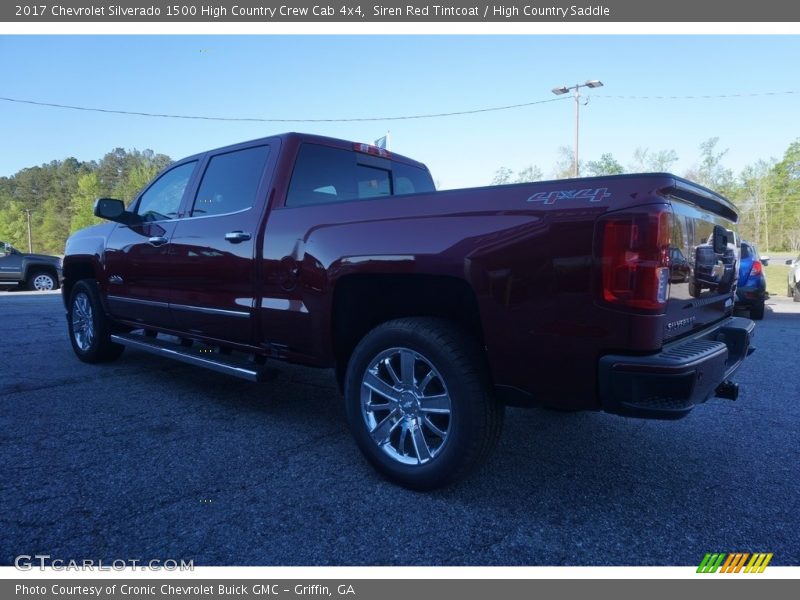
{"x": 756, "y": 269}
{"x": 634, "y": 258}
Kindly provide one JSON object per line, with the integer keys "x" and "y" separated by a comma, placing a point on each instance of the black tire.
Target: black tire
{"x": 89, "y": 328}
{"x": 757, "y": 311}
{"x": 790, "y": 291}
{"x": 446, "y": 362}
{"x": 42, "y": 281}
{"x": 796, "y": 293}
{"x": 694, "y": 289}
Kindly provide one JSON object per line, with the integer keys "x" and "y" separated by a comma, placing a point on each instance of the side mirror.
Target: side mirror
{"x": 720, "y": 241}
{"x": 765, "y": 260}
{"x": 112, "y": 209}
{"x": 108, "y": 208}
{"x": 789, "y": 262}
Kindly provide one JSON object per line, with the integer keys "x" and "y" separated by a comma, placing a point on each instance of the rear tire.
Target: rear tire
{"x": 419, "y": 402}
{"x": 757, "y": 311}
{"x": 42, "y": 281}
{"x": 89, "y": 328}
{"x": 796, "y": 293}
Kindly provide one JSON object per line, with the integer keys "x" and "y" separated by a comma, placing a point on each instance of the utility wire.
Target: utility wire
{"x": 259, "y": 120}
{"x": 697, "y": 97}
{"x": 396, "y": 118}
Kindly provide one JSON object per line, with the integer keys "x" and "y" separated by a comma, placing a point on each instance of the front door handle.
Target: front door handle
{"x": 158, "y": 240}
{"x": 234, "y": 237}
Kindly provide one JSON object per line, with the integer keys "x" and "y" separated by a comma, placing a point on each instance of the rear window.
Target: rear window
{"x": 411, "y": 180}
{"x": 748, "y": 251}
{"x": 323, "y": 174}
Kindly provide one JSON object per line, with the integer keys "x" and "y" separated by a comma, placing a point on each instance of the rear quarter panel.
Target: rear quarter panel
{"x": 526, "y": 251}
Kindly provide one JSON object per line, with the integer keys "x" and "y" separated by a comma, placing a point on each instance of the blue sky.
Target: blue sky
{"x": 321, "y": 76}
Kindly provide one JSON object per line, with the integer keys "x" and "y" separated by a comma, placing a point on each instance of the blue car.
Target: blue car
{"x": 751, "y": 291}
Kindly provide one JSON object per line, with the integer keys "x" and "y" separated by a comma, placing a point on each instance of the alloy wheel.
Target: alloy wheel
{"x": 406, "y": 406}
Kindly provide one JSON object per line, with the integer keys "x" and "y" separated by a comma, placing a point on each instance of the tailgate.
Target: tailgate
{"x": 702, "y": 274}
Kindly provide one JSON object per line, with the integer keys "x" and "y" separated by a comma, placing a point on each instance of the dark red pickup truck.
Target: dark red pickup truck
{"x": 435, "y": 308}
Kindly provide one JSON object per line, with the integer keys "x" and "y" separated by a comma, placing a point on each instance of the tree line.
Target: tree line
{"x": 59, "y": 196}
{"x": 767, "y": 192}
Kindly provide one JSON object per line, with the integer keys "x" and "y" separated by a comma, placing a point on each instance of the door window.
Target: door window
{"x": 230, "y": 182}
{"x": 161, "y": 201}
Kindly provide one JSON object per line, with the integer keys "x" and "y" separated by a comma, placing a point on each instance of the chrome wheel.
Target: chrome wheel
{"x": 43, "y": 282}
{"x": 406, "y": 406}
{"x": 82, "y": 322}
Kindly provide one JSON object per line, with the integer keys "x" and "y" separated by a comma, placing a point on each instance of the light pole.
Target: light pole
{"x": 28, "y": 219}
{"x": 592, "y": 83}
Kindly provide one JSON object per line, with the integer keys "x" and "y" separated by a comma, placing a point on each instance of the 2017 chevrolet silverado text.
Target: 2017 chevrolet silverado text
{"x": 436, "y": 309}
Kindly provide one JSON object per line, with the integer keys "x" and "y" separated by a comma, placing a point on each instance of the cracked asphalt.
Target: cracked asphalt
{"x": 149, "y": 459}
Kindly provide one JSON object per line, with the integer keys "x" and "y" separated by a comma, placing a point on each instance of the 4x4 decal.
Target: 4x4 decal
{"x": 590, "y": 194}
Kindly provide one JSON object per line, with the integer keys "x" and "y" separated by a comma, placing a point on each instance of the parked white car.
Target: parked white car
{"x": 793, "y": 280}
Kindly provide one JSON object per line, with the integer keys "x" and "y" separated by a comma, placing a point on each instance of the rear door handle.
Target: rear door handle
{"x": 234, "y": 237}
{"x": 158, "y": 240}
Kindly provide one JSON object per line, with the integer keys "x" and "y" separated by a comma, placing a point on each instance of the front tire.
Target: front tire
{"x": 757, "y": 311}
{"x": 89, "y": 328}
{"x": 419, "y": 402}
{"x": 42, "y": 281}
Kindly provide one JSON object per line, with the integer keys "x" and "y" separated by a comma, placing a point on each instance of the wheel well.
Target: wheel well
{"x": 73, "y": 273}
{"x": 362, "y": 302}
{"x": 33, "y": 269}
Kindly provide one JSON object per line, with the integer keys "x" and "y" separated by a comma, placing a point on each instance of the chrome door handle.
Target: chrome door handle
{"x": 234, "y": 237}
{"x": 158, "y": 240}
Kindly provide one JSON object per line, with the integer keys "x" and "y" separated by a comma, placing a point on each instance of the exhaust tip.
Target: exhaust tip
{"x": 727, "y": 390}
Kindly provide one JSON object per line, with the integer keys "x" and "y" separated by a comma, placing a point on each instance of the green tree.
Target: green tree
{"x": 82, "y": 206}
{"x": 647, "y": 161}
{"x": 50, "y": 228}
{"x": 565, "y": 163}
{"x": 785, "y": 200}
{"x": 138, "y": 177}
{"x": 607, "y": 165}
{"x": 504, "y": 175}
{"x": 752, "y": 196}
{"x": 13, "y": 225}
{"x": 710, "y": 172}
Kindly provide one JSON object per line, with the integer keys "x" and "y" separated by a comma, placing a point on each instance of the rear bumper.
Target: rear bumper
{"x": 685, "y": 373}
{"x": 748, "y": 295}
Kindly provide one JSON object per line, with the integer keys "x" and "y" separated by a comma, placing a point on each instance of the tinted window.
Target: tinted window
{"x": 162, "y": 199}
{"x": 373, "y": 182}
{"x": 230, "y": 182}
{"x": 324, "y": 174}
{"x": 411, "y": 180}
{"x": 747, "y": 252}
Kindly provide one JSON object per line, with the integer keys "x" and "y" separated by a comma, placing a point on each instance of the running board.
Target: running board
{"x": 229, "y": 365}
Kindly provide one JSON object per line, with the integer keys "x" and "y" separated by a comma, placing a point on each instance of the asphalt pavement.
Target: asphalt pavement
{"x": 147, "y": 459}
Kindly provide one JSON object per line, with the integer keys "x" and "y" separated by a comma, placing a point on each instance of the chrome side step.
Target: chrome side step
{"x": 221, "y": 363}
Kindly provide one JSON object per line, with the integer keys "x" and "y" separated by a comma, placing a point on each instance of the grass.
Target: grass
{"x": 776, "y": 275}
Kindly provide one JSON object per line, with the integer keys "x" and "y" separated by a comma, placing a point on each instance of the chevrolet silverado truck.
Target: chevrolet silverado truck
{"x": 35, "y": 271}
{"x": 436, "y": 309}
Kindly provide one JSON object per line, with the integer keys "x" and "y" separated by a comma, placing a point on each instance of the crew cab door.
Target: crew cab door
{"x": 212, "y": 251}
{"x": 137, "y": 256}
{"x": 10, "y": 263}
